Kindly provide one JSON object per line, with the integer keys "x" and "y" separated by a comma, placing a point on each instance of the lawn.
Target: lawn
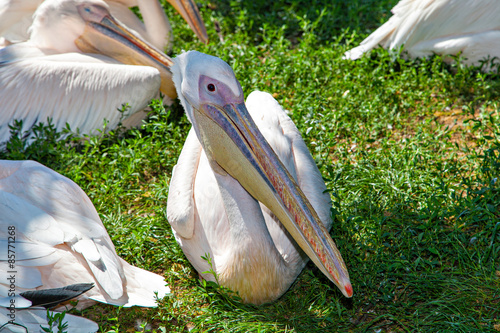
{"x": 408, "y": 149}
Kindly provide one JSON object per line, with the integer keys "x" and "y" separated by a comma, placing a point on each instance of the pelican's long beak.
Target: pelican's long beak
{"x": 189, "y": 11}
{"x": 104, "y": 35}
{"x": 231, "y": 139}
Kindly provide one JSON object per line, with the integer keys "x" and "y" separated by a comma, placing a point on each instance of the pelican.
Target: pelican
{"x": 444, "y": 27}
{"x": 72, "y": 70}
{"x": 17, "y": 16}
{"x": 258, "y": 215}
{"x": 51, "y": 236}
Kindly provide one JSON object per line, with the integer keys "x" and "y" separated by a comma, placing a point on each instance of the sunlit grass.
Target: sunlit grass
{"x": 409, "y": 151}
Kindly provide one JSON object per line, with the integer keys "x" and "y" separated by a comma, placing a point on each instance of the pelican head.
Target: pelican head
{"x": 195, "y": 67}
{"x": 63, "y": 26}
{"x": 213, "y": 100}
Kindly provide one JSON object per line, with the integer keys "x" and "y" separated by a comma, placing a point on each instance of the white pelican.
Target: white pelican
{"x": 51, "y": 236}
{"x": 51, "y": 76}
{"x": 444, "y": 27}
{"x": 17, "y": 16}
{"x": 212, "y": 203}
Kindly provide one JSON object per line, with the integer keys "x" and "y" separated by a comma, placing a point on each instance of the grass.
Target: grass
{"x": 409, "y": 150}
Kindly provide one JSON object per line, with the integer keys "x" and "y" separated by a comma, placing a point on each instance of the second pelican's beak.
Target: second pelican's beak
{"x": 189, "y": 11}
{"x": 104, "y": 35}
{"x": 231, "y": 139}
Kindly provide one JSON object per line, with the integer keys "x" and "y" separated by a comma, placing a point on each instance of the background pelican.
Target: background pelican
{"x": 445, "y": 27}
{"x": 17, "y": 16}
{"x": 59, "y": 240}
{"x": 51, "y": 76}
{"x": 211, "y": 205}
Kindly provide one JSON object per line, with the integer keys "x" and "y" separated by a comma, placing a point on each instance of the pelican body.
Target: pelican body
{"x": 58, "y": 240}
{"x": 76, "y": 69}
{"x": 245, "y": 190}
{"x": 444, "y": 27}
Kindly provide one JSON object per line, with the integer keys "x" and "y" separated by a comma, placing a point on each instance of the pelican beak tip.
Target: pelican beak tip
{"x": 348, "y": 290}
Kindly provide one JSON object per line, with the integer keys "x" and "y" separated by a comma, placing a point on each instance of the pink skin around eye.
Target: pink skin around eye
{"x": 221, "y": 95}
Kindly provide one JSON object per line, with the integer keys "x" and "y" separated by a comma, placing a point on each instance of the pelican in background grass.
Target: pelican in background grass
{"x": 470, "y": 28}
{"x": 17, "y": 16}
{"x": 257, "y": 208}
{"x": 73, "y": 70}
{"x": 58, "y": 239}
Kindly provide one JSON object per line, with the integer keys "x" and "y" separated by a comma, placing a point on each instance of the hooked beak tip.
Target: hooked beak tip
{"x": 348, "y": 290}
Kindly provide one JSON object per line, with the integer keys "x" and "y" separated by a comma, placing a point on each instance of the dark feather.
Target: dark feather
{"x": 51, "y": 297}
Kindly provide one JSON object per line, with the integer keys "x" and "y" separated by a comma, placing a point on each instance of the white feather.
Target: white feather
{"x": 75, "y": 89}
{"x": 16, "y": 301}
{"x": 181, "y": 191}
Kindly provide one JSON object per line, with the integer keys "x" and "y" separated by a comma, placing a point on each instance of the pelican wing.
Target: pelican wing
{"x": 180, "y": 201}
{"x": 72, "y": 88}
{"x": 59, "y": 238}
{"x": 48, "y": 211}
{"x": 437, "y": 26}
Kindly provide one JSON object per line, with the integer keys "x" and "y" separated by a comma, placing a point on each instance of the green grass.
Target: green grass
{"x": 409, "y": 150}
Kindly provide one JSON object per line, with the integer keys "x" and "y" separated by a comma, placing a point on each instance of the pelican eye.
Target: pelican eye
{"x": 211, "y": 87}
